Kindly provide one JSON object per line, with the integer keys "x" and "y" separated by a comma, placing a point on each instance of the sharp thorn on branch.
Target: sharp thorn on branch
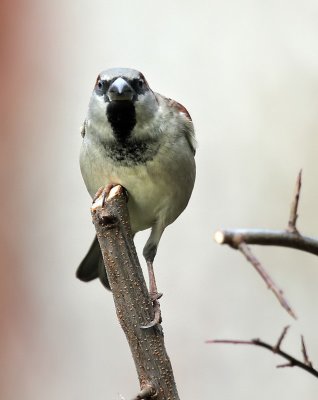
{"x": 304, "y": 351}
{"x": 294, "y": 206}
{"x": 285, "y": 365}
{"x": 281, "y": 338}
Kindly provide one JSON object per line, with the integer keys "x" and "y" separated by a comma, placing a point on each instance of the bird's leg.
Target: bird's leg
{"x": 154, "y": 296}
{"x": 153, "y": 292}
{"x": 149, "y": 253}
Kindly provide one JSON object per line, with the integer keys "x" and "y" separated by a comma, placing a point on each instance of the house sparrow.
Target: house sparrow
{"x": 145, "y": 142}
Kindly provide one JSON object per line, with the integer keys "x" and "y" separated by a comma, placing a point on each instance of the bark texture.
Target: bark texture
{"x": 133, "y": 305}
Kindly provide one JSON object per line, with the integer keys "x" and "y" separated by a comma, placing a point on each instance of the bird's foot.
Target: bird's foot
{"x": 97, "y": 194}
{"x": 155, "y": 296}
{"x": 157, "y": 314}
{"x": 103, "y": 190}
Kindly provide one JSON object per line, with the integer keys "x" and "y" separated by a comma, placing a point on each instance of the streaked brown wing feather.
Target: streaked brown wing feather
{"x": 180, "y": 108}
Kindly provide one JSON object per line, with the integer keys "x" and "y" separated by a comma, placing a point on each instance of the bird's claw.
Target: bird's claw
{"x": 103, "y": 190}
{"x": 155, "y": 296}
{"x": 97, "y": 194}
{"x": 157, "y": 315}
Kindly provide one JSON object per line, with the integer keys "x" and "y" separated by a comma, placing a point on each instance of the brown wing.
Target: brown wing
{"x": 177, "y": 106}
{"x": 189, "y": 133}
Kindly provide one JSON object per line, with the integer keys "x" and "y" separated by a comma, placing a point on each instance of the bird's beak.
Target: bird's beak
{"x": 120, "y": 90}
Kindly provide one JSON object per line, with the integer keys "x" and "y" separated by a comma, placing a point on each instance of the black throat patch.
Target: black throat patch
{"x": 121, "y": 115}
{"x": 131, "y": 152}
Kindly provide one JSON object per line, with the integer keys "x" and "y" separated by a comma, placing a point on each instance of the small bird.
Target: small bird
{"x": 145, "y": 142}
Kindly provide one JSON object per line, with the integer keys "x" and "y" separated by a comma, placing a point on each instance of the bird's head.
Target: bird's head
{"x": 122, "y": 98}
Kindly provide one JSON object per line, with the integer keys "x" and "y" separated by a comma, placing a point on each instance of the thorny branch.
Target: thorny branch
{"x": 292, "y": 361}
{"x": 240, "y": 238}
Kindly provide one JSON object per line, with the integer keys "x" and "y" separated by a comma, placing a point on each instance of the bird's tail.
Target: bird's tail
{"x": 92, "y": 266}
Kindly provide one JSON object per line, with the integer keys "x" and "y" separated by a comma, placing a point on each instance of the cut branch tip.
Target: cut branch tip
{"x": 114, "y": 191}
{"x": 98, "y": 203}
{"x": 219, "y": 237}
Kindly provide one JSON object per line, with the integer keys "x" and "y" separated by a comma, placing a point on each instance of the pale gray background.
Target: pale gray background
{"x": 248, "y": 73}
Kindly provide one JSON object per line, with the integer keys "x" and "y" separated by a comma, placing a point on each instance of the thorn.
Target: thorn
{"x": 280, "y": 339}
{"x": 294, "y": 206}
{"x": 304, "y": 351}
{"x": 285, "y": 365}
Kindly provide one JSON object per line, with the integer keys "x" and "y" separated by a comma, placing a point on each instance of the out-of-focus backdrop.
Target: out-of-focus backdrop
{"x": 248, "y": 73}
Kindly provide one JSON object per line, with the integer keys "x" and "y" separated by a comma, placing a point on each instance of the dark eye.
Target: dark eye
{"x": 101, "y": 87}
{"x": 138, "y": 84}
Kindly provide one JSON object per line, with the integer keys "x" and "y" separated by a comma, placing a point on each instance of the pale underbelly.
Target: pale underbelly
{"x": 157, "y": 193}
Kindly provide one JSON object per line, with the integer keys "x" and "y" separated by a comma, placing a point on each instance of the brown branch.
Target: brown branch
{"x": 294, "y": 206}
{"x": 292, "y": 361}
{"x": 132, "y": 302}
{"x": 240, "y": 238}
{"x": 243, "y": 247}
{"x": 264, "y": 237}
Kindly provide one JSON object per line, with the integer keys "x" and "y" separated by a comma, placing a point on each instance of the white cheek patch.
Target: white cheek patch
{"x": 98, "y": 124}
{"x": 146, "y": 106}
{"x": 97, "y": 108}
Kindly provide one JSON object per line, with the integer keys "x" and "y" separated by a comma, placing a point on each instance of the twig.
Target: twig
{"x": 132, "y": 301}
{"x": 243, "y": 247}
{"x": 292, "y": 361}
{"x": 294, "y": 206}
{"x": 304, "y": 351}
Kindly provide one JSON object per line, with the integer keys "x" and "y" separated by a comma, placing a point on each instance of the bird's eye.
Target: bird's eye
{"x": 138, "y": 84}
{"x": 101, "y": 87}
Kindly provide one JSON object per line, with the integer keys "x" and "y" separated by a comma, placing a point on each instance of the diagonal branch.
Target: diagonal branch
{"x": 243, "y": 247}
{"x": 131, "y": 298}
{"x": 292, "y": 361}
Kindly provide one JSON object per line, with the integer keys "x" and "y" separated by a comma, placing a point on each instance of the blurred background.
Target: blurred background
{"x": 248, "y": 73}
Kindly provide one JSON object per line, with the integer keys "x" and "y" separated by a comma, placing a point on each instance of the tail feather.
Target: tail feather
{"x": 92, "y": 266}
